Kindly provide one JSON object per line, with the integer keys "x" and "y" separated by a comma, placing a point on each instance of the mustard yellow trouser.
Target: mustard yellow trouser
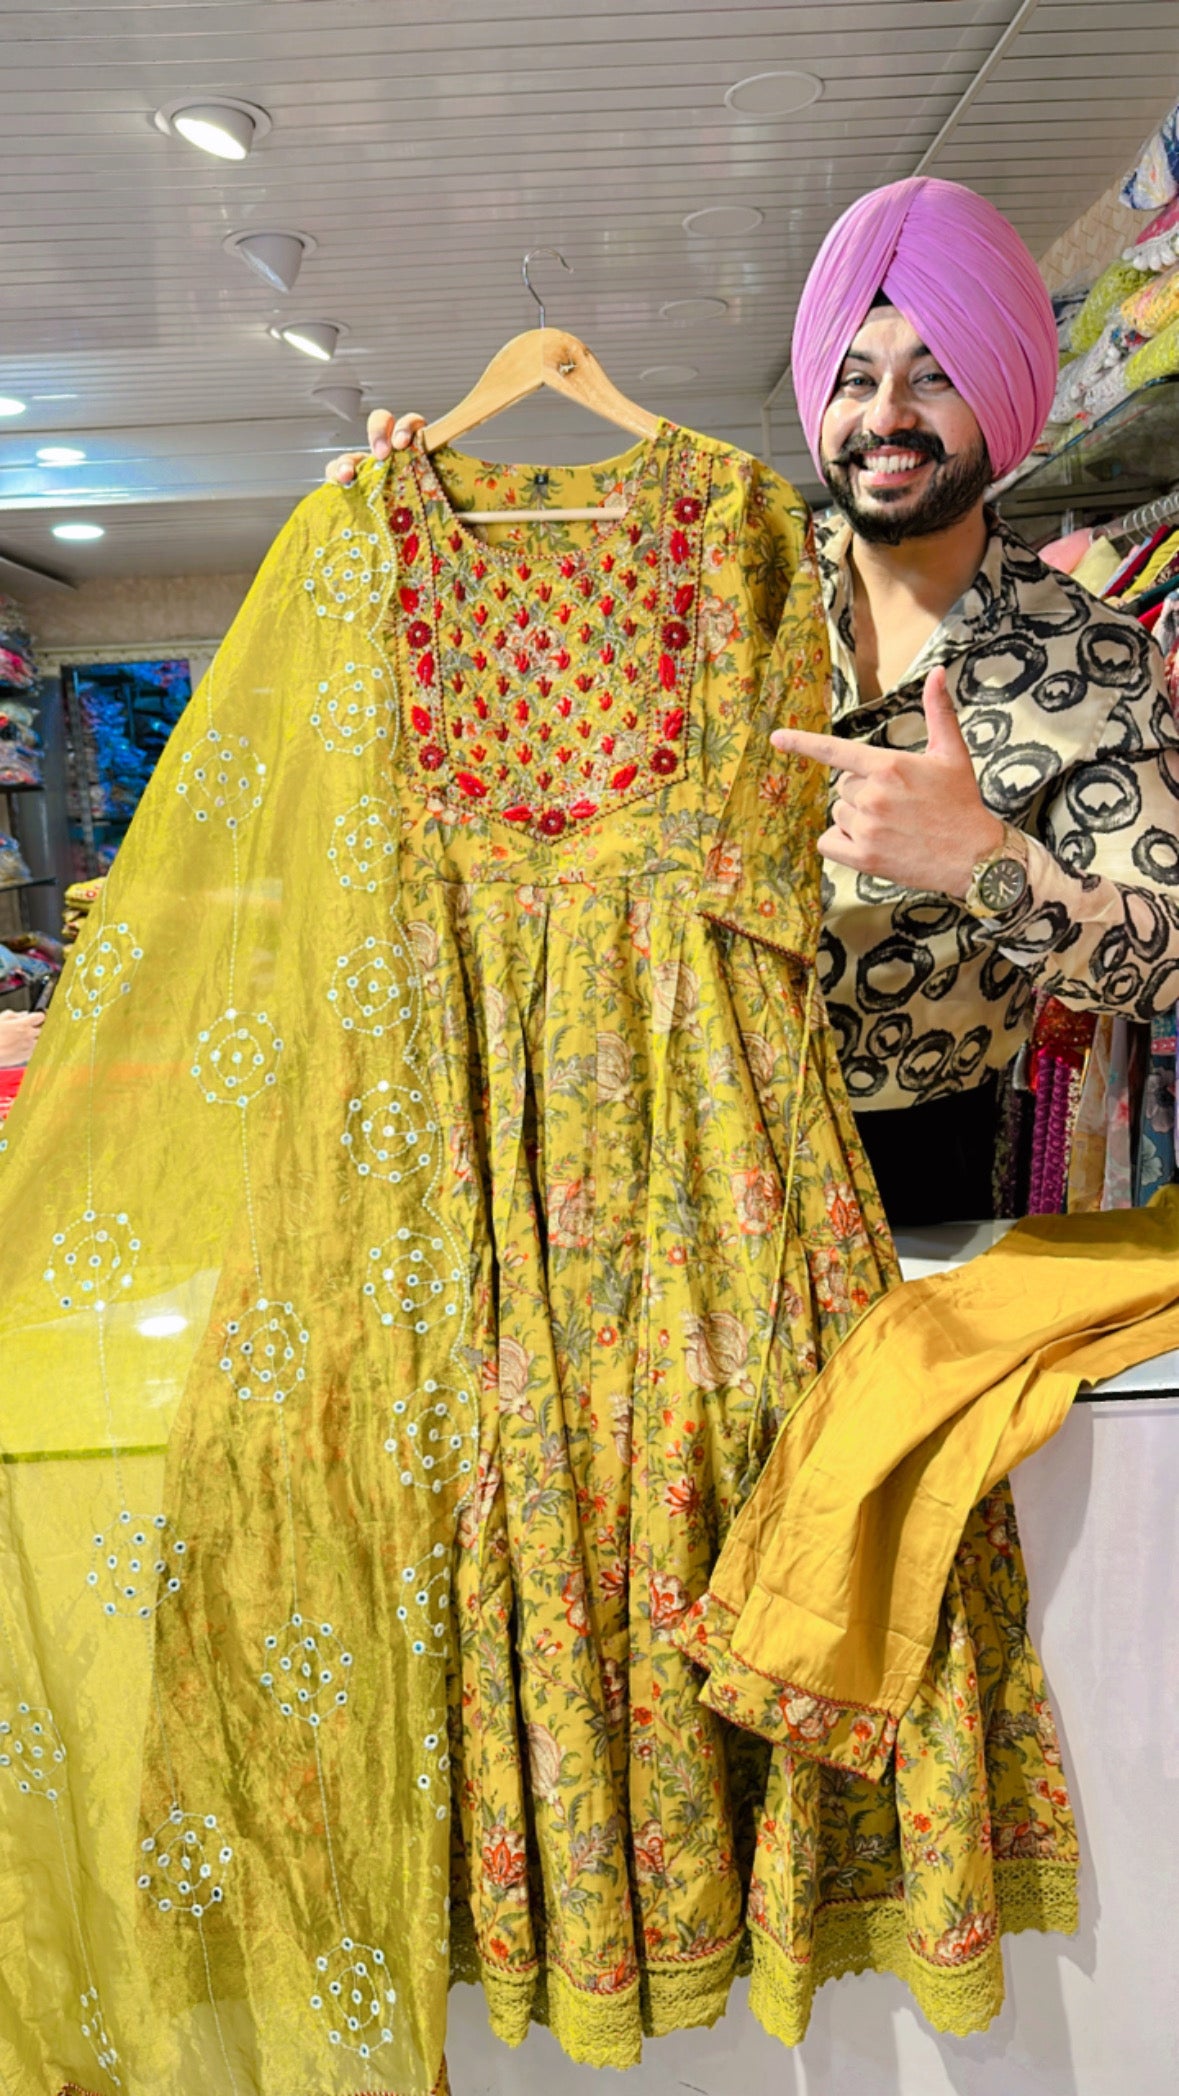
{"x": 824, "y": 1601}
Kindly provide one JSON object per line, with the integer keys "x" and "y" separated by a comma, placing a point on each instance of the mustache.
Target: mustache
{"x": 858, "y": 450}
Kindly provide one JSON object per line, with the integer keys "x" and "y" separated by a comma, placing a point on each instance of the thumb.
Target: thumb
{"x": 380, "y": 433}
{"x": 941, "y": 720}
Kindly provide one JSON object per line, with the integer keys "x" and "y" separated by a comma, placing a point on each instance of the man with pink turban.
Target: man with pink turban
{"x": 1005, "y": 762}
{"x": 1004, "y": 757}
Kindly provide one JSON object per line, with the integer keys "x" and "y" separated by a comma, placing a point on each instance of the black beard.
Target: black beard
{"x": 956, "y": 486}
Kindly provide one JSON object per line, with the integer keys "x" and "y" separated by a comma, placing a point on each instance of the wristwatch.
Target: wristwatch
{"x": 1000, "y": 880}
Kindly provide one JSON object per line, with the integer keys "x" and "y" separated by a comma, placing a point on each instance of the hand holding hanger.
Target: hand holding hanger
{"x": 386, "y": 434}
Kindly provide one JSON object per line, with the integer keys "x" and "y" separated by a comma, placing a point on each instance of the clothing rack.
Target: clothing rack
{"x": 1141, "y": 520}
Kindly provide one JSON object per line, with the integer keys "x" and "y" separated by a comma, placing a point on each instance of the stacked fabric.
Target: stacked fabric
{"x": 80, "y": 899}
{"x": 1125, "y": 331}
{"x": 1157, "y": 246}
{"x": 12, "y": 866}
{"x": 20, "y": 750}
{"x": 1099, "y": 342}
{"x": 18, "y": 667}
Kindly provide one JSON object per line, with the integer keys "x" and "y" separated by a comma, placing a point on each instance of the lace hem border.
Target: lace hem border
{"x": 870, "y": 1936}
{"x": 607, "y": 2030}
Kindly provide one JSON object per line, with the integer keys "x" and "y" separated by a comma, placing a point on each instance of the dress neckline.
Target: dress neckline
{"x": 641, "y": 471}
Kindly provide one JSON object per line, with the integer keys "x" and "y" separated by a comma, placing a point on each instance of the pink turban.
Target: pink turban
{"x": 961, "y": 275}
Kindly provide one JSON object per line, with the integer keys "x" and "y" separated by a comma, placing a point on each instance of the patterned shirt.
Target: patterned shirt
{"x": 1065, "y": 712}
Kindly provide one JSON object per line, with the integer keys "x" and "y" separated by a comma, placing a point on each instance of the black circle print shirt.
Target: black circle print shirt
{"x": 1066, "y": 715}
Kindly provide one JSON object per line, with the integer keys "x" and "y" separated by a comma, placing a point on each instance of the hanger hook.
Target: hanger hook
{"x": 528, "y": 283}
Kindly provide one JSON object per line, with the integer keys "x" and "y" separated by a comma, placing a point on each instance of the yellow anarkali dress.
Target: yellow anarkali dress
{"x": 434, "y": 1187}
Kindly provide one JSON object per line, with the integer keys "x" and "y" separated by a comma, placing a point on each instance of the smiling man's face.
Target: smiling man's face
{"x": 902, "y": 454}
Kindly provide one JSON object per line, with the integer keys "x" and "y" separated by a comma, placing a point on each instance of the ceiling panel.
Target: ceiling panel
{"x": 425, "y": 144}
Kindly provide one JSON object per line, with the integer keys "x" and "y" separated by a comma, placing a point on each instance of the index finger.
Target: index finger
{"x": 842, "y": 755}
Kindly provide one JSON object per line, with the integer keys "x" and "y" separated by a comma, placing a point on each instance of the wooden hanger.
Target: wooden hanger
{"x": 543, "y": 356}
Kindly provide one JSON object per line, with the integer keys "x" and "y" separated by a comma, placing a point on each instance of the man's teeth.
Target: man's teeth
{"x": 893, "y": 462}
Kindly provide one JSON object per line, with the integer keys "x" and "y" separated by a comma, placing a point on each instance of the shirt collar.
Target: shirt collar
{"x": 991, "y": 596}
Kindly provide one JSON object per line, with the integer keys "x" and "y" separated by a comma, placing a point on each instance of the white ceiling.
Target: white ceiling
{"x": 426, "y": 144}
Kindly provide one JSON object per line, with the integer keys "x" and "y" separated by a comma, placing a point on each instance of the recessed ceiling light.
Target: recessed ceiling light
{"x": 774, "y": 94}
{"x": 223, "y": 125}
{"x": 343, "y": 400}
{"x": 721, "y": 220}
{"x": 694, "y": 309}
{"x": 316, "y": 338}
{"x": 668, "y": 375}
{"x": 78, "y": 534}
{"x": 9, "y": 406}
{"x": 276, "y": 256}
{"x": 60, "y": 455}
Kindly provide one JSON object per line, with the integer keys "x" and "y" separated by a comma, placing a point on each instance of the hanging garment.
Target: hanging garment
{"x": 1155, "y": 1163}
{"x": 1086, "y": 1173}
{"x": 1098, "y": 567}
{"x": 1061, "y": 1039}
{"x": 1132, "y": 565}
{"x": 1118, "y": 1188}
{"x": 433, "y": 1184}
{"x": 1067, "y": 553}
{"x": 1151, "y": 570}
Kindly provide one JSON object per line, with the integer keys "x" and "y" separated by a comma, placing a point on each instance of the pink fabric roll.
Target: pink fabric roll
{"x": 961, "y": 275}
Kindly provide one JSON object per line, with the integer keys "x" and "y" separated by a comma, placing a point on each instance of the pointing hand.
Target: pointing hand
{"x": 912, "y": 817}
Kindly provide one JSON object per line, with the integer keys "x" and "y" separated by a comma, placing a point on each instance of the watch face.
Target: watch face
{"x": 1001, "y": 884}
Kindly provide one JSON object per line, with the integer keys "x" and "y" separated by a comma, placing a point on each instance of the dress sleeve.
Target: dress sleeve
{"x": 763, "y": 870}
{"x": 1102, "y": 932}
